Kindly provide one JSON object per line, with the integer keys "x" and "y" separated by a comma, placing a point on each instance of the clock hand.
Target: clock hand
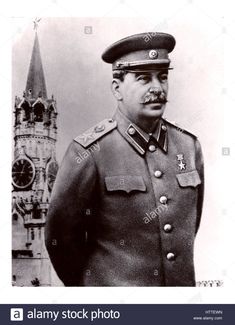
{"x": 23, "y": 168}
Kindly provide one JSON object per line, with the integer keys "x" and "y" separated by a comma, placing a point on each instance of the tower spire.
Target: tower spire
{"x": 36, "y": 85}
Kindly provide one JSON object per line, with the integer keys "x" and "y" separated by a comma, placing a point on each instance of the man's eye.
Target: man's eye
{"x": 163, "y": 77}
{"x": 143, "y": 78}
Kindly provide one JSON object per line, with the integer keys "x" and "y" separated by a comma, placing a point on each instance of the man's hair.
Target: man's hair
{"x": 119, "y": 74}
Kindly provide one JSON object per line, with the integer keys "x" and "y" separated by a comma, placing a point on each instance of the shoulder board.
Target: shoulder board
{"x": 96, "y": 132}
{"x": 178, "y": 128}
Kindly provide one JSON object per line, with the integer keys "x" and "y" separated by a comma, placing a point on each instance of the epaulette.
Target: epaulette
{"x": 96, "y": 132}
{"x": 178, "y": 128}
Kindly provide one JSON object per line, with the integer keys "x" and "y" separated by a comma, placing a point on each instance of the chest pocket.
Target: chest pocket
{"x": 125, "y": 183}
{"x": 189, "y": 179}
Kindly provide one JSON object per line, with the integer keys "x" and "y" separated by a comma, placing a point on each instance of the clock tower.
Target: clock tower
{"x": 34, "y": 170}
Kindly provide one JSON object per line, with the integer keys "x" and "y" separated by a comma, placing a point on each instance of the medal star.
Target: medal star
{"x": 86, "y": 136}
{"x": 182, "y": 165}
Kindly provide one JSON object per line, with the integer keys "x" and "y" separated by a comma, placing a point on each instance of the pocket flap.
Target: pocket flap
{"x": 189, "y": 179}
{"x": 125, "y": 183}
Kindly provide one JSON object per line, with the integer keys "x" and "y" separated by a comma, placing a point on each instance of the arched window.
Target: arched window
{"x": 48, "y": 114}
{"x": 38, "y": 112}
{"x": 15, "y": 216}
{"x": 17, "y": 116}
{"x": 27, "y": 110}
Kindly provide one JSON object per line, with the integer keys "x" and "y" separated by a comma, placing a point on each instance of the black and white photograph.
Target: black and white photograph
{"x": 121, "y": 142}
{"x": 107, "y": 190}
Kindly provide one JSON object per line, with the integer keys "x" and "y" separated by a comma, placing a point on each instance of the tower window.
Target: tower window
{"x": 15, "y": 217}
{"x": 48, "y": 115}
{"x": 36, "y": 209}
{"x": 32, "y": 234}
{"x": 27, "y": 110}
{"x": 38, "y": 112}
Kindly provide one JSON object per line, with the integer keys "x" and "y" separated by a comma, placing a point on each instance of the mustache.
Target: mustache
{"x": 153, "y": 98}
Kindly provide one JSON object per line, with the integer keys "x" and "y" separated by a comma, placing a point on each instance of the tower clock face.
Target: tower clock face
{"x": 23, "y": 173}
{"x": 52, "y": 169}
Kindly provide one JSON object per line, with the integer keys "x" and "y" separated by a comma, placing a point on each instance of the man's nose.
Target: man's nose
{"x": 156, "y": 86}
{"x": 155, "y": 90}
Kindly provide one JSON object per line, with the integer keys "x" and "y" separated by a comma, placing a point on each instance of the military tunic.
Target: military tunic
{"x": 126, "y": 206}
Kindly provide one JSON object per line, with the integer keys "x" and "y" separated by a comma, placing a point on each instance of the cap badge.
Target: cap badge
{"x": 153, "y": 54}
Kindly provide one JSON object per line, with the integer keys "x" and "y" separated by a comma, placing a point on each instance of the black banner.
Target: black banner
{"x": 118, "y": 314}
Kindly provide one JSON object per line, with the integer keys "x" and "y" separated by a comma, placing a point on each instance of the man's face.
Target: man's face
{"x": 144, "y": 94}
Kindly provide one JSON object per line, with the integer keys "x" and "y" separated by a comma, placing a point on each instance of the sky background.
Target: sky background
{"x": 80, "y": 82}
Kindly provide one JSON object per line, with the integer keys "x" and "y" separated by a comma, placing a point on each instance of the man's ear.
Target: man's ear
{"x": 116, "y": 89}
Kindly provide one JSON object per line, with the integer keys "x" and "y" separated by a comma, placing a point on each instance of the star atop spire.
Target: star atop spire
{"x": 36, "y": 85}
{"x": 35, "y": 22}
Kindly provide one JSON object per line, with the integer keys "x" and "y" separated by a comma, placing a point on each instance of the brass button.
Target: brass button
{"x": 163, "y": 199}
{"x": 152, "y": 148}
{"x": 170, "y": 256}
{"x": 157, "y": 173}
{"x": 99, "y": 128}
{"x": 163, "y": 127}
{"x": 131, "y": 131}
{"x": 167, "y": 227}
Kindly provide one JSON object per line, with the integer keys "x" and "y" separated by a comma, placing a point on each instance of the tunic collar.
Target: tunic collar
{"x": 138, "y": 138}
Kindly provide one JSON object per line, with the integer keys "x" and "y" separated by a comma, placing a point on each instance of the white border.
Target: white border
{"x": 87, "y": 8}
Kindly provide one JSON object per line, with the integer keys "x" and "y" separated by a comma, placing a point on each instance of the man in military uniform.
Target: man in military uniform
{"x": 127, "y": 201}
